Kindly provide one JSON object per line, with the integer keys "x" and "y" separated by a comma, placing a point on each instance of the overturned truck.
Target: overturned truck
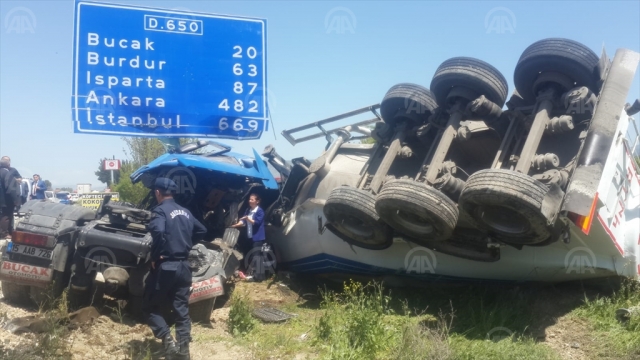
{"x": 455, "y": 186}
{"x": 107, "y": 252}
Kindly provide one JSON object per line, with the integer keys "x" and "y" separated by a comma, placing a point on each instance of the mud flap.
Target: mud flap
{"x": 551, "y": 203}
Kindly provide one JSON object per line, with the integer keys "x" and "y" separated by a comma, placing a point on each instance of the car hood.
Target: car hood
{"x": 234, "y": 163}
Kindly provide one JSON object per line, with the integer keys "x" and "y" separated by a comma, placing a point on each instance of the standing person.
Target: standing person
{"x": 24, "y": 191}
{"x": 173, "y": 229}
{"x": 38, "y": 188}
{"x": 254, "y": 221}
{"x": 8, "y": 199}
{"x": 13, "y": 172}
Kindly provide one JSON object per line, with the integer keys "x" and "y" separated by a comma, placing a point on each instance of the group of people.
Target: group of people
{"x": 15, "y": 191}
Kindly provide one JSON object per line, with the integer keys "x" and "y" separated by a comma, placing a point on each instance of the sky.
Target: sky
{"x": 323, "y": 59}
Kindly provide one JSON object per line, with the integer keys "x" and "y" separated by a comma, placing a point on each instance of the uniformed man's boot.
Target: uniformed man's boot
{"x": 170, "y": 349}
{"x": 183, "y": 350}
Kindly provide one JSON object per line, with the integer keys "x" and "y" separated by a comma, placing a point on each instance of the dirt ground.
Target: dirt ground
{"x": 114, "y": 335}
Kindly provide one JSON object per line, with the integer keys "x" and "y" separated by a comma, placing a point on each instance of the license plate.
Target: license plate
{"x": 31, "y": 251}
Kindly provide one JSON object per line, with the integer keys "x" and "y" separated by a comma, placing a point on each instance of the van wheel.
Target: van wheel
{"x": 351, "y": 215}
{"x": 408, "y": 101}
{"x": 508, "y": 204}
{"x": 200, "y": 311}
{"x": 563, "y": 56}
{"x": 472, "y": 74}
{"x": 15, "y": 293}
{"x": 417, "y": 210}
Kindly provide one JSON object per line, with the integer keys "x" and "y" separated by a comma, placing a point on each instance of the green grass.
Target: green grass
{"x": 618, "y": 339}
{"x": 367, "y": 321}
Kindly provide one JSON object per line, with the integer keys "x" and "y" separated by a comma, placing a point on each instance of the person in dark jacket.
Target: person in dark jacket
{"x": 9, "y": 197}
{"x": 174, "y": 230}
{"x": 38, "y": 188}
{"x": 254, "y": 221}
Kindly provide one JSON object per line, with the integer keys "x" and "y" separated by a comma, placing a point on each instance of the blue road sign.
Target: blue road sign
{"x": 141, "y": 71}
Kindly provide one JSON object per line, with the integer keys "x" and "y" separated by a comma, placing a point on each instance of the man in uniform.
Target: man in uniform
{"x": 174, "y": 230}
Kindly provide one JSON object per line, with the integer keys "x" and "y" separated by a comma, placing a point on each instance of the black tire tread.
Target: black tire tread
{"x": 346, "y": 199}
{"x": 200, "y": 312}
{"x": 472, "y": 73}
{"x": 396, "y": 99}
{"x": 361, "y": 200}
{"x": 568, "y": 56}
{"x": 428, "y": 198}
{"x": 516, "y": 191}
{"x": 16, "y": 293}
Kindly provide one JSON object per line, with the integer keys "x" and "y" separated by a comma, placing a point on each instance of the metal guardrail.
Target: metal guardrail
{"x": 288, "y": 134}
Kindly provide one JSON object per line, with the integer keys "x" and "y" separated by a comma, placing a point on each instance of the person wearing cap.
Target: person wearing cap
{"x": 173, "y": 230}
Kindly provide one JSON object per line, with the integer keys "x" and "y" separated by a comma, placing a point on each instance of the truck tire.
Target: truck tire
{"x": 564, "y": 56}
{"x": 507, "y": 204}
{"x": 408, "y": 101}
{"x": 16, "y": 294}
{"x": 417, "y": 210}
{"x": 351, "y": 215}
{"x": 45, "y": 297}
{"x": 472, "y": 74}
{"x": 200, "y": 312}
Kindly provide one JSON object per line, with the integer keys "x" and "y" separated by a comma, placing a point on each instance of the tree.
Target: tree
{"x": 66, "y": 189}
{"x": 128, "y": 191}
{"x": 140, "y": 151}
{"x": 104, "y": 176}
{"x": 47, "y": 183}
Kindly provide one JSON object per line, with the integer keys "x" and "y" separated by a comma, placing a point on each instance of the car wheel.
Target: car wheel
{"x": 563, "y": 56}
{"x": 417, "y": 210}
{"x": 472, "y": 74}
{"x": 351, "y": 215}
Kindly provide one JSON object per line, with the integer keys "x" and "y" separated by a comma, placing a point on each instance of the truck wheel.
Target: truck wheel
{"x": 45, "y": 297}
{"x": 15, "y": 293}
{"x": 409, "y": 101}
{"x": 200, "y": 311}
{"x": 507, "y": 204}
{"x": 417, "y": 210}
{"x": 563, "y": 56}
{"x": 351, "y": 215}
{"x": 472, "y": 74}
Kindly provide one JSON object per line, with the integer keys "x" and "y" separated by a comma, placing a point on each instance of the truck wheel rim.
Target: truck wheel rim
{"x": 504, "y": 220}
{"x": 412, "y": 222}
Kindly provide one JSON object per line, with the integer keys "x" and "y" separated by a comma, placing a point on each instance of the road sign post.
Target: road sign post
{"x": 152, "y": 72}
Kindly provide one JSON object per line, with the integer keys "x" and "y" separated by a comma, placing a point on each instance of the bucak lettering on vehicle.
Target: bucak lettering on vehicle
{"x": 206, "y": 289}
{"x": 10, "y": 270}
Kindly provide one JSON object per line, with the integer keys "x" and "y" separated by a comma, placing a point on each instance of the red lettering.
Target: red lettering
{"x": 34, "y": 271}
{"x": 15, "y": 267}
{"x": 44, "y": 272}
{"x": 621, "y": 207}
{"x": 615, "y": 221}
{"x": 7, "y": 265}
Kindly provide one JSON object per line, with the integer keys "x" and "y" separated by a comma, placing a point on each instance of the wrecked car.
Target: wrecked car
{"x": 456, "y": 187}
{"x": 107, "y": 252}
